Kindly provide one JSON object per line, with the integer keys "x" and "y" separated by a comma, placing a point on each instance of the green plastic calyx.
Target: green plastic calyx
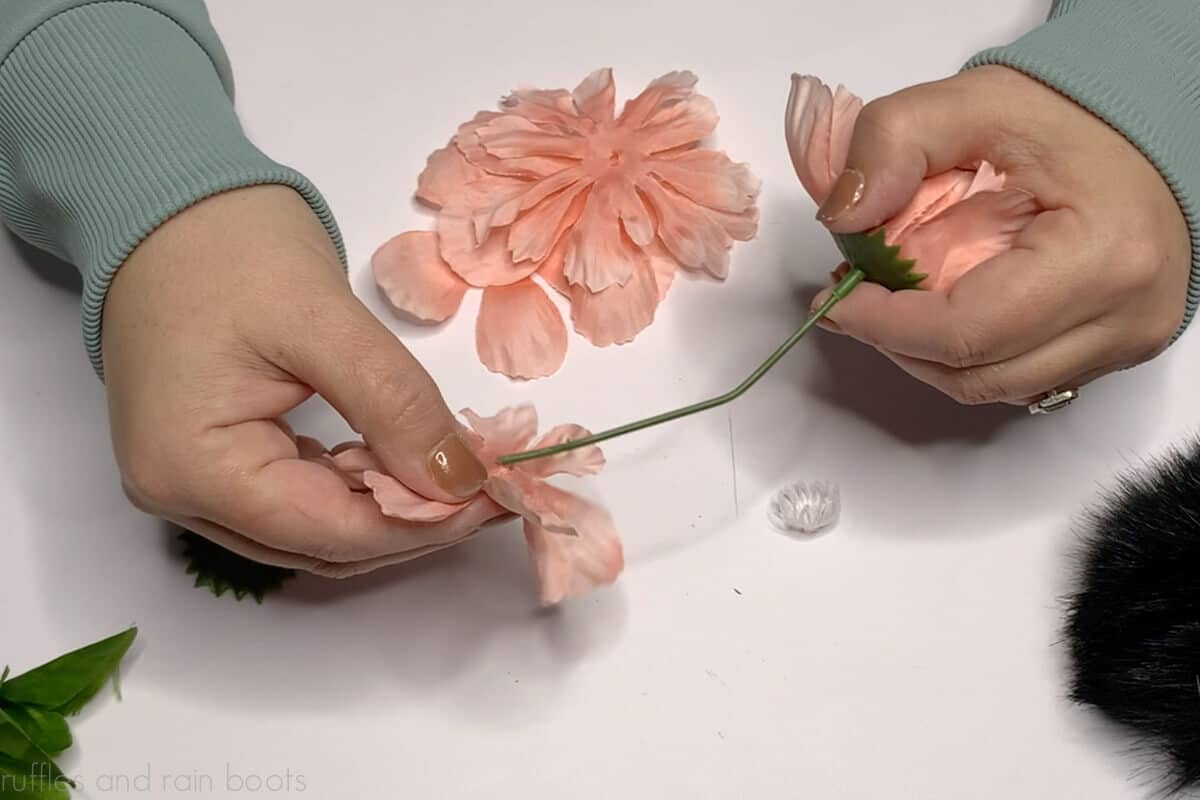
{"x": 221, "y": 571}
{"x": 879, "y": 261}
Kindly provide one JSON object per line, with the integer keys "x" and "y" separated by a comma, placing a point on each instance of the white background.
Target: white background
{"x": 910, "y": 653}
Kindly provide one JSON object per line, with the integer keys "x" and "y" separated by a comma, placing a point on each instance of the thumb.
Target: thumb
{"x": 353, "y": 361}
{"x": 898, "y": 141}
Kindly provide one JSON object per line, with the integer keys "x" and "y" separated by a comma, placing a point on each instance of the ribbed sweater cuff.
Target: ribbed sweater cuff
{"x": 1136, "y": 65}
{"x": 112, "y": 120}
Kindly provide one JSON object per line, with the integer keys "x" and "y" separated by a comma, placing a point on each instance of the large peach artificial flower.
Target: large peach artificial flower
{"x": 602, "y": 208}
{"x": 956, "y": 221}
{"x": 572, "y": 542}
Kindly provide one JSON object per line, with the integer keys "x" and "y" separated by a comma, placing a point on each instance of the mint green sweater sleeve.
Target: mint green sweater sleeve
{"x": 114, "y": 116}
{"x": 1136, "y": 65}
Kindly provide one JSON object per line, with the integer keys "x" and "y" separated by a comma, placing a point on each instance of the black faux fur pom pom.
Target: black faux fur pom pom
{"x": 1133, "y": 622}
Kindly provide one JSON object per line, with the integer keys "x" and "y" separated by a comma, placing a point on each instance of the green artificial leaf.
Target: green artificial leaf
{"x": 878, "y": 260}
{"x": 36, "y": 760}
{"x": 14, "y": 743}
{"x": 21, "y": 780}
{"x": 68, "y": 682}
{"x": 222, "y": 571}
{"x": 46, "y": 729}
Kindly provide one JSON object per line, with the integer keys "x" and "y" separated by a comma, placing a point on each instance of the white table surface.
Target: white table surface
{"x": 910, "y": 653}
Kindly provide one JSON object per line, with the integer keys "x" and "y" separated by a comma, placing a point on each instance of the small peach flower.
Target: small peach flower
{"x": 572, "y": 542}
{"x": 602, "y": 207}
{"x": 956, "y": 221}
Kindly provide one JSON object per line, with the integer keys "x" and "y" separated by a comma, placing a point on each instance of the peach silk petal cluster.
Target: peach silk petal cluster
{"x": 603, "y": 208}
{"x": 955, "y": 221}
{"x": 572, "y": 542}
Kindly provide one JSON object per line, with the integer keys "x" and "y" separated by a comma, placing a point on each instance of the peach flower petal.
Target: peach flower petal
{"x": 519, "y": 332}
{"x": 619, "y": 313}
{"x": 581, "y": 461}
{"x": 534, "y": 234}
{"x": 512, "y": 136}
{"x": 636, "y": 219}
{"x": 410, "y": 272}
{"x": 509, "y": 431}
{"x": 664, "y": 266}
{"x": 661, "y": 93}
{"x": 846, "y": 108}
{"x": 466, "y": 139}
{"x": 489, "y": 265}
{"x": 399, "y": 502}
{"x": 551, "y": 270}
{"x": 740, "y": 227}
{"x": 809, "y": 116}
{"x": 493, "y": 202}
{"x": 531, "y": 498}
{"x": 691, "y": 235}
{"x": 709, "y": 178}
{"x": 599, "y": 254}
{"x": 819, "y": 125}
{"x": 572, "y": 566}
{"x": 938, "y": 193}
{"x": 527, "y": 167}
{"x": 596, "y": 96}
{"x": 967, "y": 234}
{"x": 504, "y": 206}
{"x": 446, "y": 172}
{"x": 683, "y": 124}
{"x": 550, "y": 109}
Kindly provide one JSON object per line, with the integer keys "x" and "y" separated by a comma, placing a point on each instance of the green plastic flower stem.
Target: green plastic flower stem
{"x": 840, "y": 292}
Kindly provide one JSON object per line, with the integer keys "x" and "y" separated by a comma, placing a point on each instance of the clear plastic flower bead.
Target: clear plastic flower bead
{"x": 805, "y": 507}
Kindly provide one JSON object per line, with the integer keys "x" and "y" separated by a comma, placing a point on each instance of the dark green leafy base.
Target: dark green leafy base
{"x": 221, "y": 571}
{"x": 880, "y": 261}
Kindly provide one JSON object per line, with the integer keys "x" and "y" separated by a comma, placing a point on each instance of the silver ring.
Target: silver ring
{"x": 1054, "y": 401}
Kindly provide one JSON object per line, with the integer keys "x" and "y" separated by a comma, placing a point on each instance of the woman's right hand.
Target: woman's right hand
{"x": 1097, "y": 282}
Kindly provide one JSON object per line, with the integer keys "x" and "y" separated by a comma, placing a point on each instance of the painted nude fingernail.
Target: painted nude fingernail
{"x": 846, "y": 193}
{"x": 455, "y": 468}
{"x": 825, "y": 323}
{"x": 829, "y": 325}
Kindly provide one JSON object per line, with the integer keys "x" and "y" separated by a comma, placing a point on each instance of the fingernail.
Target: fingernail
{"x": 829, "y": 325}
{"x": 846, "y": 193}
{"x": 455, "y": 468}
{"x": 825, "y": 323}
